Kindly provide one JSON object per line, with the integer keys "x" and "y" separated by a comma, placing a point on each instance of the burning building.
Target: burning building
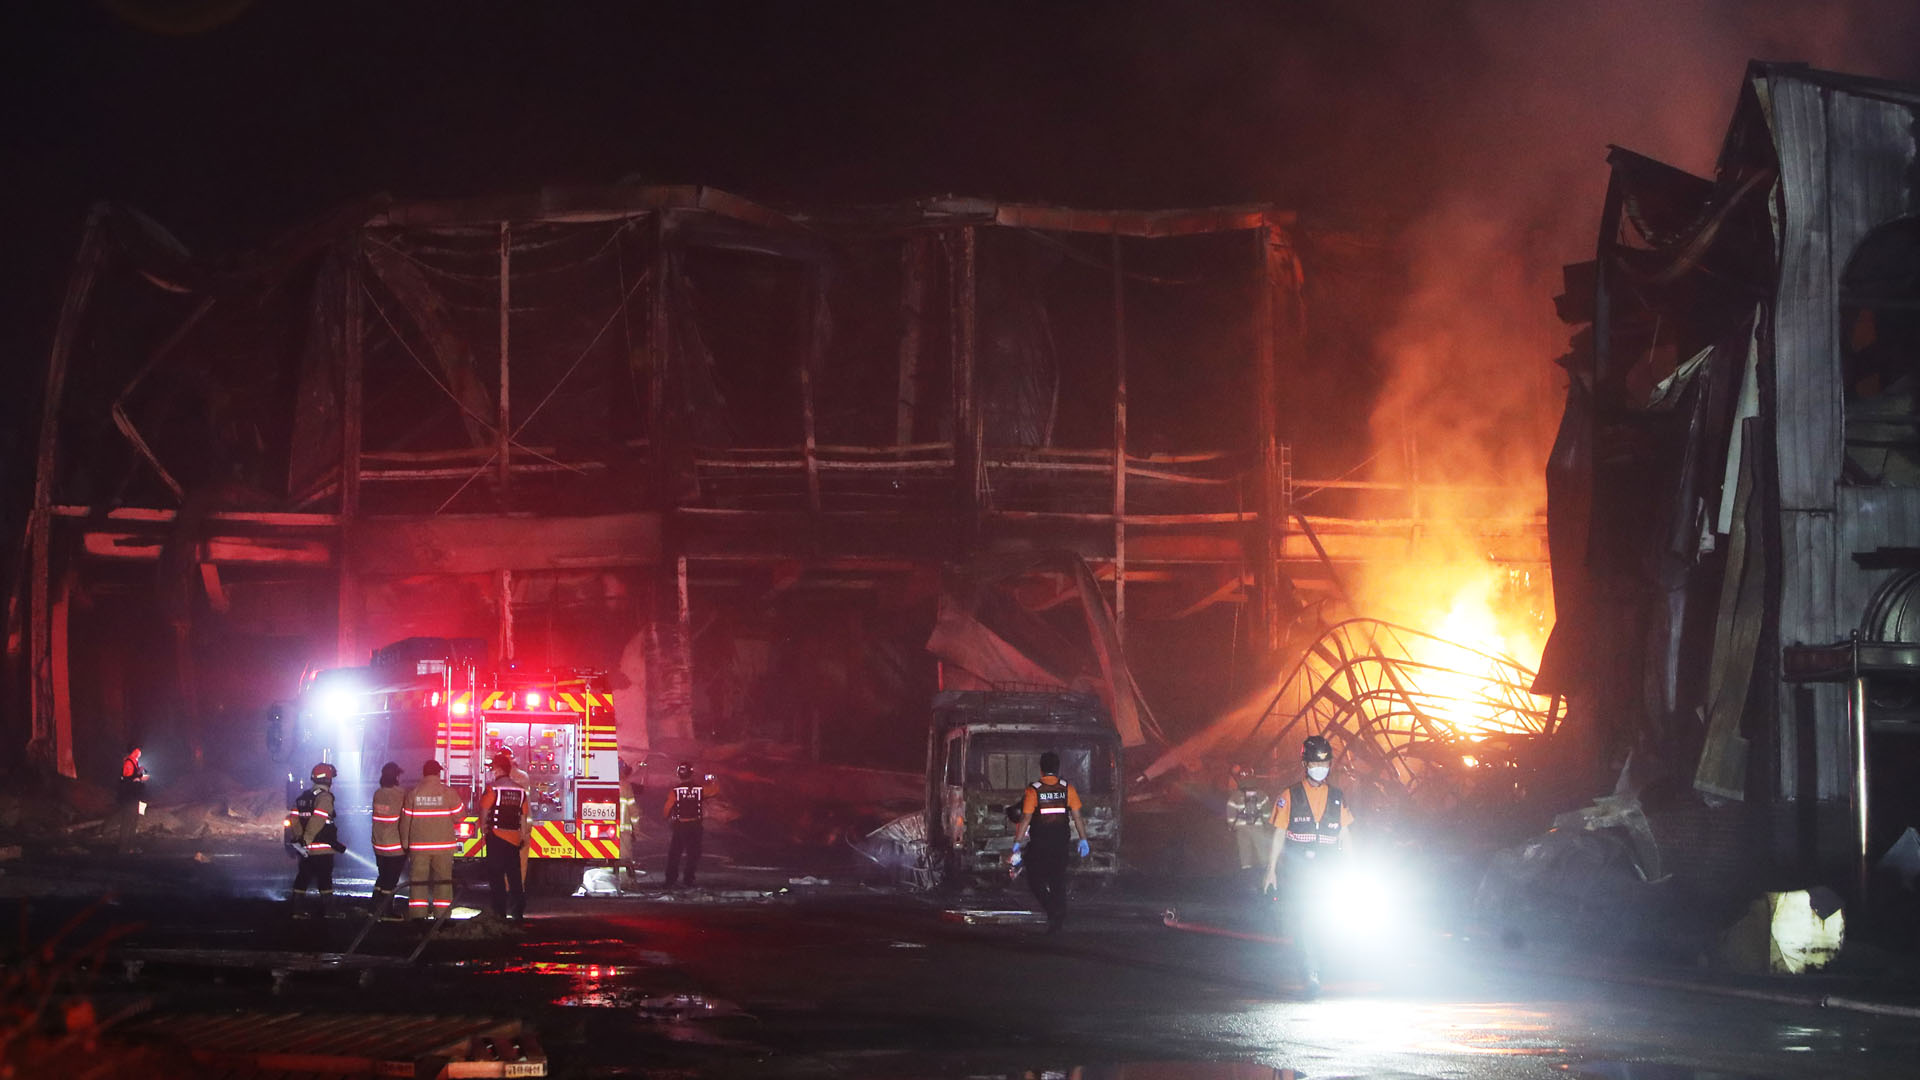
{"x": 782, "y": 474}
{"x": 1733, "y": 480}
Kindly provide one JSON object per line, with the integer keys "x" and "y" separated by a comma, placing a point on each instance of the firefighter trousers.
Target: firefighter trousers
{"x": 684, "y": 844}
{"x": 430, "y": 884}
{"x": 386, "y": 879}
{"x": 504, "y": 883}
{"x": 315, "y": 872}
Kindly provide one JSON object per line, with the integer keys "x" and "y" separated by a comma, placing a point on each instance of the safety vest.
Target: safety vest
{"x": 426, "y": 817}
{"x": 689, "y": 802}
{"x": 386, "y": 820}
{"x": 1255, "y": 807}
{"x": 1301, "y": 828}
{"x": 509, "y": 805}
{"x": 1050, "y": 806}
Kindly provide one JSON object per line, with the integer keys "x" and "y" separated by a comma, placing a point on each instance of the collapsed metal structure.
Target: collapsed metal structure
{"x": 1406, "y": 710}
{"x": 627, "y": 426}
{"x": 1735, "y": 473}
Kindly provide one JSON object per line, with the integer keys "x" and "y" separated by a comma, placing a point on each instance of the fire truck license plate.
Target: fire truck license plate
{"x": 599, "y": 811}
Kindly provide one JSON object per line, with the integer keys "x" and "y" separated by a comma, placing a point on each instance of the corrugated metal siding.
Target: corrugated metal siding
{"x": 1806, "y": 321}
{"x": 1846, "y": 165}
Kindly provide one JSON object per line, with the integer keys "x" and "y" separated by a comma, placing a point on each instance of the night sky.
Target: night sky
{"x": 1363, "y": 115}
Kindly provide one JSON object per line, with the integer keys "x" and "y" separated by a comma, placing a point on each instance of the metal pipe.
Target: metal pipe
{"x": 1857, "y": 706}
{"x": 503, "y": 435}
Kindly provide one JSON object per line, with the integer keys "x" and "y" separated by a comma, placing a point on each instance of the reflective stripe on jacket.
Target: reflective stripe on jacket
{"x": 503, "y": 809}
{"x": 386, "y": 820}
{"x": 1247, "y": 806}
{"x": 427, "y": 817}
{"x": 322, "y": 814}
{"x": 1051, "y": 803}
{"x": 687, "y": 803}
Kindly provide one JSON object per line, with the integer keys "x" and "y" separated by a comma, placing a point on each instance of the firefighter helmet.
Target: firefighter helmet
{"x": 1316, "y": 748}
{"x": 324, "y": 773}
{"x": 685, "y": 771}
{"x": 502, "y": 755}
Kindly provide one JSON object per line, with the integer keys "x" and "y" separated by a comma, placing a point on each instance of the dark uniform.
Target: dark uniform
{"x": 1050, "y": 805}
{"x": 503, "y": 811}
{"x": 686, "y": 813}
{"x": 132, "y": 792}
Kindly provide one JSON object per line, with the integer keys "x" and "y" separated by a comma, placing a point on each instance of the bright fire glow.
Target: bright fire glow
{"x": 1480, "y": 614}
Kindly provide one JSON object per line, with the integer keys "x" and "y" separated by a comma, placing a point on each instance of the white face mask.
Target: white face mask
{"x": 1318, "y": 773}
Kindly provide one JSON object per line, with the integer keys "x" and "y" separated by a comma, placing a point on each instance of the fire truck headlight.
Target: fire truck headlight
{"x": 459, "y": 708}
{"x": 530, "y": 699}
{"x": 339, "y": 705}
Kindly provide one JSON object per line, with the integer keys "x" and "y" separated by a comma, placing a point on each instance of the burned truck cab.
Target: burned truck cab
{"x": 984, "y": 749}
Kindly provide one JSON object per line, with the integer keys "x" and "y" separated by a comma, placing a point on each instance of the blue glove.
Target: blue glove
{"x": 1085, "y": 847}
{"x": 1015, "y": 860}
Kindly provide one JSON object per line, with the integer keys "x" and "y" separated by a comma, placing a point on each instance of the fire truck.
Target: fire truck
{"x": 439, "y": 698}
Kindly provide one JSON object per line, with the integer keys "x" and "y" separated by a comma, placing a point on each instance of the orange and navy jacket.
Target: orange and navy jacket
{"x": 427, "y": 817}
{"x": 1304, "y": 822}
{"x": 386, "y": 820}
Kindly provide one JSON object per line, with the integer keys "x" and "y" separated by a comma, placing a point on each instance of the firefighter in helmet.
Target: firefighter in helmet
{"x": 1315, "y": 826}
{"x": 503, "y": 824}
{"x": 314, "y": 838}
{"x": 686, "y": 814}
{"x": 429, "y": 837}
{"x": 389, "y": 857}
{"x": 1250, "y": 816}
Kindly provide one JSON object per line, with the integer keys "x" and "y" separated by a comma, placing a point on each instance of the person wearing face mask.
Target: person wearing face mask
{"x": 1315, "y": 827}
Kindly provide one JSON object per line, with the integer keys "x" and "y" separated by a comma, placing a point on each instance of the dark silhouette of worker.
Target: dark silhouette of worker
{"x": 502, "y": 821}
{"x": 686, "y": 814}
{"x": 130, "y": 799}
{"x": 1052, "y": 816}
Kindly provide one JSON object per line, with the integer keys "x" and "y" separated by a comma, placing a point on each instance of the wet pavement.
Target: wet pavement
{"x": 759, "y": 977}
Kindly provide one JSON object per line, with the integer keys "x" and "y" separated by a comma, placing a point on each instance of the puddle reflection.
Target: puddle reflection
{"x": 1476, "y": 1028}
{"x": 1152, "y": 1071}
{"x": 1645, "y": 1070}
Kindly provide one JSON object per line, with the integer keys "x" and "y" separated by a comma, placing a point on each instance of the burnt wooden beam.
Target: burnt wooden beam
{"x": 1119, "y": 442}
{"x": 352, "y": 364}
{"x": 86, "y": 270}
{"x": 503, "y": 425}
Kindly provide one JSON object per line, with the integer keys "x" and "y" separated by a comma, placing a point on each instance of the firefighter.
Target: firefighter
{"x": 1050, "y": 810}
{"x": 686, "y": 811}
{"x": 1249, "y": 813}
{"x": 1316, "y": 826}
{"x": 389, "y": 857}
{"x": 131, "y": 800}
{"x": 427, "y": 835}
{"x": 315, "y": 838}
{"x": 503, "y": 812}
